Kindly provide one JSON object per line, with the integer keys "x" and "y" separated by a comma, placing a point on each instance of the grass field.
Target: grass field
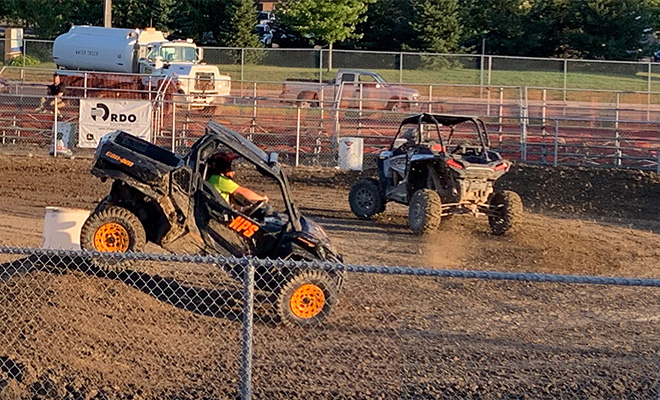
{"x": 464, "y": 70}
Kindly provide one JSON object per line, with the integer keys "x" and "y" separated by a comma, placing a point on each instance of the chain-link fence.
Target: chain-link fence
{"x": 95, "y": 325}
{"x": 275, "y": 64}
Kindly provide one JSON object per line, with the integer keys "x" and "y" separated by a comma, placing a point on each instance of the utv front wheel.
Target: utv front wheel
{"x": 307, "y": 299}
{"x": 425, "y": 211}
{"x": 507, "y": 209}
{"x": 112, "y": 229}
{"x": 365, "y": 199}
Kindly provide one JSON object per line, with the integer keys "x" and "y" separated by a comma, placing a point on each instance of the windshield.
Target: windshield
{"x": 377, "y": 77}
{"x": 174, "y": 53}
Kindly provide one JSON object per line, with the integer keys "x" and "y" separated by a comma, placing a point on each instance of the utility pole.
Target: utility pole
{"x": 107, "y": 14}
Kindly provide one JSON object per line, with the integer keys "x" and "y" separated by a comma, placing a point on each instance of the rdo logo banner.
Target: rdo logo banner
{"x": 101, "y": 116}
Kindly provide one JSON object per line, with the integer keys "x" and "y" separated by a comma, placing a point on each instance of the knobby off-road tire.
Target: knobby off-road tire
{"x": 113, "y": 229}
{"x": 306, "y": 299}
{"x": 508, "y": 209}
{"x": 365, "y": 199}
{"x": 424, "y": 212}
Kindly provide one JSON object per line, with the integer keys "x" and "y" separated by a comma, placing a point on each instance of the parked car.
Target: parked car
{"x": 352, "y": 89}
{"x": 265, "y": 17}
{"x": 265, "y": 33}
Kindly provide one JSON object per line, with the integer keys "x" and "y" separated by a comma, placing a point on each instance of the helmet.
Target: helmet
{"x": 220, "y": 162}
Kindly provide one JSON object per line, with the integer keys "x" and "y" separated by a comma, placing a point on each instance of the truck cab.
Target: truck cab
{"x": 367, "y": 89}
{"x": 146, "y": 52}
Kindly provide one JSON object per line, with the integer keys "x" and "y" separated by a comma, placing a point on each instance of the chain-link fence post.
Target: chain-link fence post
{"x": 523, "y": 126}
{"x": 298, "y": 134}
{"x": 248, "y": 315}
{"x": 320, "y": 65}
{"x": 555, "y": 162}
{"x": 565, "y": 80}
{"x": 55, "y": 112}
{"x": 617, "y": 142}
{"x": 648, "y": 93}
{"x": 173, "y": 127}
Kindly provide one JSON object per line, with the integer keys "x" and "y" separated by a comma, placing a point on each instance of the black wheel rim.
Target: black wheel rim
{"x": 416, "y": 213}
{"x": 365, "y": 199}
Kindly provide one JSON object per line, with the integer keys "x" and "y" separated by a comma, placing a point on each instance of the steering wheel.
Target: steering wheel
{"x": 461, "y": 149}
{"x": 256, "y": 208}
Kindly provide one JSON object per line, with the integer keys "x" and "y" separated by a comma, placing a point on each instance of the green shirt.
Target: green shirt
{"x": 223, "y": 185}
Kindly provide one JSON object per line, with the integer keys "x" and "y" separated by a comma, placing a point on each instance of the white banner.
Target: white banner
{"x": 101, "y": 116}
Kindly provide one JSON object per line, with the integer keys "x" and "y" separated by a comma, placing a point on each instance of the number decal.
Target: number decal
{"x": 244, "y": 227}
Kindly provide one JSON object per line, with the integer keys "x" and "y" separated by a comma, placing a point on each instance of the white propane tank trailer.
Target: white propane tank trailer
{"x": 141, "y": 51}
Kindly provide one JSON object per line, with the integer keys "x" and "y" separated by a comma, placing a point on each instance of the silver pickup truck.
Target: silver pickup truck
{"x": 351, "y": 89}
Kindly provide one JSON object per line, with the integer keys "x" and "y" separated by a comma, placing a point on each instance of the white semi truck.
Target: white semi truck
{"x": 147, "y": 52}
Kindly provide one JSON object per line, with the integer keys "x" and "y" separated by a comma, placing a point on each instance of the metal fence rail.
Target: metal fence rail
{"x": 524, "y": 123}
{"x": 179, "y": 327}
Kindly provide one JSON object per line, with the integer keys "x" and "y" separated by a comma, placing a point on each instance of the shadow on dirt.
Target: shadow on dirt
{"x": 217, "y": 303}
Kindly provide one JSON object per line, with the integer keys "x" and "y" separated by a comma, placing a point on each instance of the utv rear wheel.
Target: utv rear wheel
{"x": 425, "y": 211}
{"x": 306, "y": 299}
{"x": 507, "y": 210}
{"x": 308, "y": 100}
{"x": 365, "y": 199}
{"x": 112, "y": 229}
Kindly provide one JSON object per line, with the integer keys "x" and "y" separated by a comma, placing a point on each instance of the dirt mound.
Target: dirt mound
{"x": 577, "y": 191}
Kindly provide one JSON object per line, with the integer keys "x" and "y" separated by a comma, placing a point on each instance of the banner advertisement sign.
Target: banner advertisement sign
{"x": 101, "y": 116}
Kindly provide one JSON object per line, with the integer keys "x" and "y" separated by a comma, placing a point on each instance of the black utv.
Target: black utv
{"x": 440, "y": 165}
{"x": 163, "y": 198}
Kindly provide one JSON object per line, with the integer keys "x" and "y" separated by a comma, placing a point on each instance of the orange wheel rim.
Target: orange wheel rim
{"x": 307, "y": 301}
{"x": 111, "y": 237}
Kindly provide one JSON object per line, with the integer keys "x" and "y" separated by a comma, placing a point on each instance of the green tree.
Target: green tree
{"x": 437, "y": 25}
{"x": 508, "y": 27}
{"x": 324, "y": 21}
{"x": 387, "y": 27}
{"x": 239, "y": 27}
{"x": 606, "y": 29}
{"x": 47, "y": 18}
{"x": 143, "y": 13}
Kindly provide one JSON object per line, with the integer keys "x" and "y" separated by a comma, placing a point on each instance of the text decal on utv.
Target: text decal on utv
{"x": 440, "y": 165}
{"x": 160, "y": 197}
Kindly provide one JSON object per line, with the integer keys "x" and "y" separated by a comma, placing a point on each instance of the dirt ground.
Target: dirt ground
{"x": 161, "y": 334}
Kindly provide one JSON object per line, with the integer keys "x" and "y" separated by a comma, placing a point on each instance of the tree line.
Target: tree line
{"x": 593, "y": 29}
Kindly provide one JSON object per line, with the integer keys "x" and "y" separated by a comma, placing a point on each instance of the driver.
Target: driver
{"x": 409, "y": 137}
{"x": 221, "y": 177}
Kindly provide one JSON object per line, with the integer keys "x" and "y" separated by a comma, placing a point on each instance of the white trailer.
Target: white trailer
{"x": 147, "y": 52}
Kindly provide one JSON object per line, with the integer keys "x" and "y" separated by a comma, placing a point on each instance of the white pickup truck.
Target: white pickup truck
{"x": 352, "y": 89}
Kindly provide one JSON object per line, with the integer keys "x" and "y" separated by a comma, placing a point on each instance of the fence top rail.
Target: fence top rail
{"x": 612, "y": 120}
{"x": 589, "y": 90}
{"x": 333, "y": 266}
{"x": 464, "y": 55}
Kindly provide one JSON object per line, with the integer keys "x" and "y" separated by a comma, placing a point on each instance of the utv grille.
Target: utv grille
{"x": 181, "y": 178}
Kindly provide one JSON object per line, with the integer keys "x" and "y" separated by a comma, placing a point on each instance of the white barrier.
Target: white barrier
{"x": 62, "y": 228}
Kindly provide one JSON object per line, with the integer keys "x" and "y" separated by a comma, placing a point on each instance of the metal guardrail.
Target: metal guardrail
{"x": 528, "y": 130}
{"x": 395, "y": 333}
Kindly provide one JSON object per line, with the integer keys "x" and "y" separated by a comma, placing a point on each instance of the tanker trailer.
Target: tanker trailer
{"x": 145, "y": 52}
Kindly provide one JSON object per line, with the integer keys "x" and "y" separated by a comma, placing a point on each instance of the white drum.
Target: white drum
{"x": 351, "y": 153}
{"x": 62, "y": 228}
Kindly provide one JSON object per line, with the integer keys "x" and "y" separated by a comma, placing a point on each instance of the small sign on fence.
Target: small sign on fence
{"x": 101, "y": 116}
{"x": 66, "y": 134}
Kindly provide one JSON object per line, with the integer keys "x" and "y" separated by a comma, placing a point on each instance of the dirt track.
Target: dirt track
{"x": 108, "y": 338}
